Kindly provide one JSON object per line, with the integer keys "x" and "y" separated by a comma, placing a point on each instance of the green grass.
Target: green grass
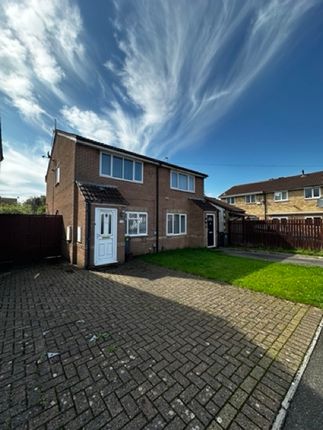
{"x": 296, "y": 283}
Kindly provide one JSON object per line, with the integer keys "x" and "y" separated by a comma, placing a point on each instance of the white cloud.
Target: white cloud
{"x": 186, "y": 63}
{"x": 88, "y": 123}
{"x": 22, "y": 172}
{"x": 39, "y": 44}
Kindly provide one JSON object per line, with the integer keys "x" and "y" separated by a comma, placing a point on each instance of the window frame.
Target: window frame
{"x": 312, "y": 193}
{"x": 58, "y": 174}
{"x": 231, "y": 202}
{"x": 250, "y": 195}
{"x": 172, "y": 214}
{"x": 177, "y": 172}
{"x": 134, "y": 161}
{"x": 138, "y": 213}
{"x": 281, "y": 193}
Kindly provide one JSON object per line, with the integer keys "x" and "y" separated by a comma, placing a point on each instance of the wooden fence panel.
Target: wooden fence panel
{"x": 25, "y": 238}
{"x": 290, "y": 234}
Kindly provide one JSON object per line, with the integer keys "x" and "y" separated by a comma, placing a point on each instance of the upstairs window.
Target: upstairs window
{"x": 231, "y": 200}
{"x": 312, "y": 193}
{"x": 117, "y": 167}
{"x": 280, "y": 196}
{"x": 136, "y": 223}
{"x": 181, "y": 181}
{"x": 250, "y": 198}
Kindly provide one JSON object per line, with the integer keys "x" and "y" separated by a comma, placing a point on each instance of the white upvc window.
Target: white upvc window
{"x": 136, "y": 223}
{"x": 176, "y": 224}
{"x": 126, "y": 169}
{"x": 182, "y": 181}
{"x": 57, "y": 175}
{"x": 79, "y": 234}
{"x": 312, "y": 193}
{"x": 280, "y": 196}
{"x": 231, "y": 200}
{"x": 251, "y": 198}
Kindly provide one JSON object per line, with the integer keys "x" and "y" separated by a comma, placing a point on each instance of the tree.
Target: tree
{"x": 33, "y": 205}
{"x": 37, "y": 205}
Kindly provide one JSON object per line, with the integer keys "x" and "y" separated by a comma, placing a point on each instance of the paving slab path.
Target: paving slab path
{"x": 279, "y": 257}
{"x": 143, "y": 347}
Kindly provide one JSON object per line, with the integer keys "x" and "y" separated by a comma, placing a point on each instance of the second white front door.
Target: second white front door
{"x": 105, "y": 242}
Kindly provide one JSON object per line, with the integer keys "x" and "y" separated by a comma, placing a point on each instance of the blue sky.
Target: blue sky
{"x": 230, "y": 88}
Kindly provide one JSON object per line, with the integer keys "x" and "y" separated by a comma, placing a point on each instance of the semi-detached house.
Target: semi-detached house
{"x": 115, "y": 202}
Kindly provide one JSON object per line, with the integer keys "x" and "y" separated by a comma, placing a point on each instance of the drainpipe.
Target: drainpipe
{"x": 88, "y": 234}
{"x": 157, "y": 208}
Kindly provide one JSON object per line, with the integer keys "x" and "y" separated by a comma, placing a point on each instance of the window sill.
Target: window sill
{"x": 182, "y": 191}
{"x": 176, "y": 234}
{"x": 136, "y": 235}
{"x": 312, "y": 198}
{"x": 281, "y": 201}
{"x": 121, "y": 179}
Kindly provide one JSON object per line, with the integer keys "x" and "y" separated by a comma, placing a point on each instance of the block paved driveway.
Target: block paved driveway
{"x": 143, "y": 347}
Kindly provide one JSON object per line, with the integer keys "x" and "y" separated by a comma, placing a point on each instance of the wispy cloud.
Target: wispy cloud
{"x": 17, "y": 175}
{"x": 39, "y": 44}
{"x": 183, "y": 64}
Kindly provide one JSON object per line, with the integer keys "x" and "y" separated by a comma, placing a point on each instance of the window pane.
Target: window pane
{"x": 138, "y": 171}
{"x": 169, "y": 224}
{"x": 117, "y": 167}
{"x": 106, "y": 164}
{"x": 284, "y": 195}
{"x": 183, "y": 218}
{"x": 176, "y": 224}
{"x": 128, "y": 169}
{"x": 133, "y": 226}
{"x": 183, "y": 182}
{"x": 308, "y": 193}
{"x": 277, "y": 195}
{"x": 142, "y": 224}
{"x": 110, "y": 224}
{"x": 174, "y": 180}
{"x": 191, "y": 183}
{"x": 316, "y": 192}
{"x": 102, "y": 224}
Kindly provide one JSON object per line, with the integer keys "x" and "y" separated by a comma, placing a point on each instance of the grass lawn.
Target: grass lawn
{"x": 297, "y": 283}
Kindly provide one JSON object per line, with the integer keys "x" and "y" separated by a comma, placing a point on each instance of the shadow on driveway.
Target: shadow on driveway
{"x": 144, "y": 347}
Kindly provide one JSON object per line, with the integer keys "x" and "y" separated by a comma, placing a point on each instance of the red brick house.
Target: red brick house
{"x": 115, "y": 202}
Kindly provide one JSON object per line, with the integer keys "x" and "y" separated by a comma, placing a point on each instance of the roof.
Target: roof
{"x": 277, "y": 184}
{"x": 85, "y": 140}
{"x": 224, "y": 205}
{"x": 95, "y": 193}
{"x": 204, "y": 204}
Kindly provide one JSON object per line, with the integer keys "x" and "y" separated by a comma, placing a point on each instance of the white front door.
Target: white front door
{"x": 105, "y": 242}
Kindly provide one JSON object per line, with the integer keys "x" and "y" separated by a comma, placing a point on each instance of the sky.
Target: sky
{"x": 230, "y": 88}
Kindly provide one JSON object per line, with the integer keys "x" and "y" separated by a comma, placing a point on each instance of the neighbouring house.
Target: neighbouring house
{"x": 8, "y": 200}
{"x": 116, "y": 203}
{"x": 280, "y": 199}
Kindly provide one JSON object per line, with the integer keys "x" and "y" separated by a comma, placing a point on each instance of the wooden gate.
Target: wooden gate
{"x": 26, "y": 238}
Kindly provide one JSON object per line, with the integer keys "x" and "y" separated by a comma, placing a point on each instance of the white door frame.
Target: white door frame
{"x": 114, "y": 227}
{"x": 207, "y": 231}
